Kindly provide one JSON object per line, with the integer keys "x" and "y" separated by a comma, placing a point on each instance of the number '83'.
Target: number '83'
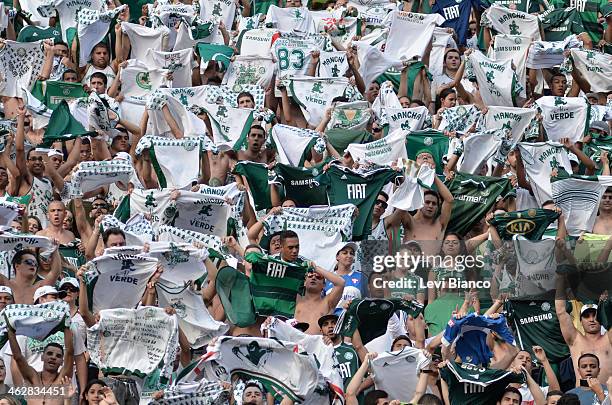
{"x": 285, "y": 58}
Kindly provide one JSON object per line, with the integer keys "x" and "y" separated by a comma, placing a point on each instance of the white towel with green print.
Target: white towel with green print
{"x": 182, "y": 262}
{"x": 195, "y": 96}
{"x": 92, "y": 27}
{"x": 386, "y": 99}
{"x": 35, "y": 321}
{"x": 293, "y": 144}
{"x": 230, "y": 125}
{"x": 15, "y": 242}
{"x": 351, "y": 116}
{"x": 497, "y": 80}
{"x": 170, "y": 233}
{"x": 408, "y": 119}
{"x": 137, "y": 229}
{"x": 199, "y": 212}
{"x": 94, "y": 174}
{"x": 249, "y": 70}
{"x": 188, "y": 123}
{"x": 138, "y": 80}
{"x": 383, "y": 151}
{"x": 144, "y": 38}
{"x": 314, "y": 95}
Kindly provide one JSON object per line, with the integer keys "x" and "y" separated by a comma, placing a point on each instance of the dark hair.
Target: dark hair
{"x": 400, "y": 337}
{"x": 372, "y": 397}
{"x": 90, "y": 384}
{"x": 451, "y": 50}
{"x": 569, "y": 399}
{"x": 434, "y": 193}
{"x": 585, "y": 355}
{"x": 462, "y": 247}
{"x": 288, "y": 235}
{"x": 288, "y": 199}
{"x": 53, "y": 344}
{"x": 514, "y": 391}
{"x": 430, "y": 399}
{"x": 68, "y": 71}
{"x": 18, "y": 258}
{"x": 384, "y": 195}
{"x": 340, "y": 99}
{"x": 245, "y": 94}
{"x": 29, "y": 152}
{"x": 35, "y": 218}
{"x": 100, "y": 45}
{"x": 557, "y": 73}
{"x": 418, "y": 102}
{"x": 111, "y": 231}
{"x": 100, "y": 76}
{"x": 554, "y": 392}
{"x": 257, "y": 126}
{"x": 443, "y": 94}
{"x": 253, "y": 246}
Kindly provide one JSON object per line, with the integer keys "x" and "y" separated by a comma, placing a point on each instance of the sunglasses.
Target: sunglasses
{"x": 30, "y": 262}
{"x": 99, "y": 206}
{"x": 382, "y": 203}
{"x": 376, "y": 129}
{"x": 69, "y": 289}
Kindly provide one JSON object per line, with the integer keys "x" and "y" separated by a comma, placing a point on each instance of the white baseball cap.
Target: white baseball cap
{"x": 55, "y": 152}
{"x": 46, "y": 290}
{"x": 587, "y": 307}
{"x": 351, "y": 245}
{"x": 69, "y": 280}
{"x": 6, "y": 290}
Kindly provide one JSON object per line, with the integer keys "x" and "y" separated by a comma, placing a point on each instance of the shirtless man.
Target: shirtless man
{"x": 53, "y": 357}
{"x": 426, "y": 226}
{"x": 256, "y": 152}
{"x": 311, "y": 306}
{"x": 592, "y": 341}
{"x": 32, "y": 167}
{"x": 54, "y": 230}
{"x": 26, "y": 267}
{"x": 383, "y": 227}
{"x": 603, "y": 224}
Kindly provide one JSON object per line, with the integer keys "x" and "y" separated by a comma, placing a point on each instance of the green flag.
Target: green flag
{"x": 341, "y": 138}
{"x": 531, "y": 223}
{"x": 219, "y": 53}
{"x": 63, "y": 126}
{"x": 234, "y": 292}
{"x": 31, "y": 33}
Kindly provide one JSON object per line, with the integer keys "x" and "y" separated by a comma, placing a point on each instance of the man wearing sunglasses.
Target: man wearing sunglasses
{"x": 383, "y": 227}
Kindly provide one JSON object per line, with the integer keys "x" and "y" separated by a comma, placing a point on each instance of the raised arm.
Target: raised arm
{"x": 20, "y": 159}
{"x": 88, "y": 316}
{"x": 447, "y": 202}
{"x": 568, "y": 330}
{"x": 27, "y": 372}
{"x": 333, "y": 298}
{"x": 68, "y": 354}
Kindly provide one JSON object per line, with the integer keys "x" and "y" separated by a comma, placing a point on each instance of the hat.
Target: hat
{"x": 6, "y": 290}
{"x": 600, "y": 125}
{"x": 55, "y": 152}
{"x": 301, "y": 326}
{"x": 46, "y": 290}
{"x": 69, "y": 281}
{"x": 573, "y": 158}
{"x": 589, "y": 95}
{"x": 325, "y": 318}
{"x": 588, "y": 307}
{"x": 352, "y": 245}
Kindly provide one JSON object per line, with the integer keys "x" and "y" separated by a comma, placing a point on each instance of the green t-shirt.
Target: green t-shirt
{"x": 300, "y": 184}
{"x": 257, "y": 176}
{"x": 589, "y": 13}
{"x": 535, "y": 323}
{"x": 275, "y": 284}
{"x": 530, "y": 223}
{"x": 31, "y": 33}
{"x": 560, "y": 23}
{"x": 345, "y": 186}
{"x": 474, "y": 196}
{"x": 475, "y": 385}
{"x": 348, "y": 362}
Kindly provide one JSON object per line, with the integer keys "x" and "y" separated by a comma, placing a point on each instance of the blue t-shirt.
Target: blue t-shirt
{"x": 355, "y": 286}
{"x": 457, "y": 14}
{"x": 587, "y": 396}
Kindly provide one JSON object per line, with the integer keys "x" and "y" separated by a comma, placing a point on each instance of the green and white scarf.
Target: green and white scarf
{"x": 333, "y": 64}
{"x": 137, "y": 229}
{"x": 155, "y": 203}
{"x": 595, "y": 67}
{"x": 277, "y": 365}
{"x": 373, "y": 62}
{"x": 383, "y": 151}
{"x": 292, "y": 54}
{"x": 194, "y": 319}
{"x": 182, "y": 262}
{"x": 199, "y": 212}
{"x": 386, "y": 99}
{"x": 200, "y": 393}
{"x": 94, "y": 174}
{"x": 293, "y": 144}
{"x": 325, "y": 227}
{"x": 188, "y": 36}
{"x": 564, "y": 117}
{"x": 230, "y": 125}
{"x": 21, "y": 64}
{"x": 179, "y": 63}
{"x": 478, "y": 148}
{"x": 406, "y": 119}
{"x": 40, "y": 112}
{"x": 514, "y": 48}
{"x": 314, "y": 95}
{"x": 353, "y": 116}
{"x": 15, "y": 242}
{"x": 93, "y": 26}
{"x": 546, "y": 54}
{"x": 459, "y": 118}
{"x": 175, "y": 161}
{"x": 512, "y": 22}
{"x": 249, "y": 70}
{"x": 218, "y": 10}
{"x": 134, "y": 341}
{"x": 35, "y": 321}
{"x": 291, "y": 19}
{"x": 118, "y": 280}
{"x": 196, "y": 96}
{"x": 189, "y": 125}
{"x": 138, "y": 80}
{"x": 169, "y": 233}
{"x": 256, "y": 42}
{"x": 418, "y": 27}
{"x": 410, "y": 195}
{"x": 514, "y": 119}
{"x": 497, "y": 80}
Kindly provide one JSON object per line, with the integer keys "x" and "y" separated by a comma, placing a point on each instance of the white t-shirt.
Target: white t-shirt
{"x": 526, "y": 394}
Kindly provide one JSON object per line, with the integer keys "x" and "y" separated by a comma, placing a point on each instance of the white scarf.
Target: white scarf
{"x": 383, "y": 151}
{"x": 175, "y": 161}
{"x": 257, "y": 42}
{"x": 512, "y": 22}
{"x": 292, "y": 19}
{"x": 386, "y": 98}
{"x": 143, "y": 39}
{"x": 184, "y": 36}
{"x": 10, "y": 241}
{"x": 179, "y": 63}
{"x": 373, "y": 63}
{"x": 21, "y": 64}
{"x": 596, "y": 68}
{"x": 230, "y": 125}
{"x": 292, "y": 54}
{"x": 218, "y": 10}
{"x": 249, "y": 70}
{"x": 496, "y": 80}
{"x": 324, "y": 227}
{"x": 514, "y": 48}
{"x": 315, "y": 94}
{"x": 67, "y": 11}
{"x": 138, "y": 80}
{"x": 119, "y": 280}
{"x": 478, "y": 148}
{"x": 536, "y": 266}
{"x": 332, "y": 64}
{"x": 152, "y": 202}
{"x": 92, "y": 28}
{"x": 182, "y": 262}
{"x": 439, "y": 42}
{"x": 546, "y": 54}
{"x": 35, "y": 321}
{"x": 94, "y": 174}
{"x": 171, "y": 234}
{"x": 199, "y": 212}
{"x": 135, "y": 341}
{"x": 564, "y": 117}
{"x": 137, "y": 229}
{"x": 407, "y": 119}
{"x": 353, "y": 116}
{"x": 208, "y": 94}
{"x": 514, "y": 119}
{"x": 418, "y": 27}
{"x": 292, "y": 144}
{"x": 188, "y": 123}
{"x": 410, "y": 195}
{"x": 194, "y": 319}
